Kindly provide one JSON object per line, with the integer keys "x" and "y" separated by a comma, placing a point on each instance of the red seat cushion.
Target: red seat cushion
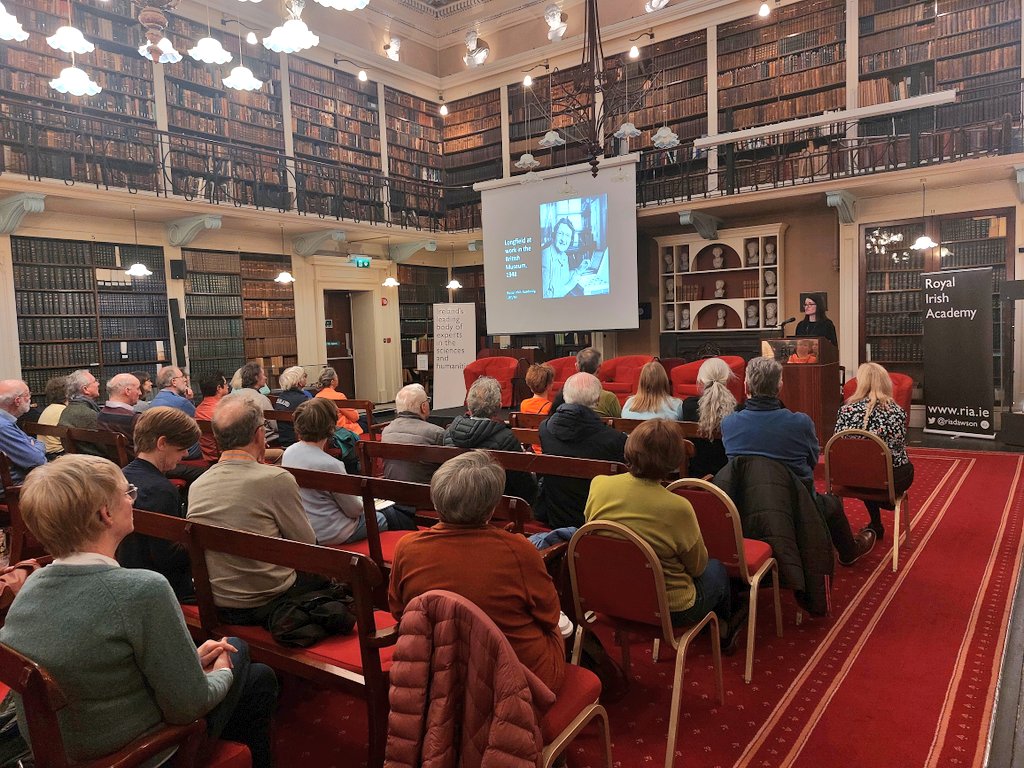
{"x": 4, "y": 690}
{"x": 756, "y": 553}
{"x": 580, "y": 689}
{"x": 388, "y": 542}
{"x": 339, "y": 650}
{"x": 228, "y": 754}
{"x": 191, "y": 613}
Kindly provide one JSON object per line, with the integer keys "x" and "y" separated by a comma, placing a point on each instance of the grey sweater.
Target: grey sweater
{"x": 116, "y": 642}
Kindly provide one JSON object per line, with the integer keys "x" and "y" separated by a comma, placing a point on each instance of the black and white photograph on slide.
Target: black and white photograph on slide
{"x": 574, "y": 255}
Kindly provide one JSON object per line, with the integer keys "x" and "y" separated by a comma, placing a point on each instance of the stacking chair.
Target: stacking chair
{"x": 617, "y": 582}
{"x": 746, "y": 559}
{"x": 42, "y": 700}
{"x": 858, "y": 465}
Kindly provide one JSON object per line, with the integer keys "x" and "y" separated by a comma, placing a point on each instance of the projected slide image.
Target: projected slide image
{"x": 574, "y": 254}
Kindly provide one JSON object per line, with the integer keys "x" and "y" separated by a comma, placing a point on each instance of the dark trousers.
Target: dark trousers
{"x": 304, "y": 582}
{"x": 903, "y": 478}
{"x": 246, "y": 712}
{"x": 712, "y": 589}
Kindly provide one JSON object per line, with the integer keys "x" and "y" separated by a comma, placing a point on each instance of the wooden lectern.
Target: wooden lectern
{"x": 810, "y": 379}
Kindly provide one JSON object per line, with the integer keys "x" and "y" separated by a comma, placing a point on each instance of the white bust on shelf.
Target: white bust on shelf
{"x": 684, "y": 318}
{"x": 752, "y": 254}
{"x": 751, "y": 315}
{"x": 770, "y": 287}
{"x": 720, "y": 322}
{"x": 717, "y": 257}
{"x": 770, "y": 316}
{"x": 684, "y": 262}
{"x": 669, "y": 261}
{"x": 719, "y": 289}
{"x": 670, "y": 289}
{"x": 769, "y": 253}
{"x": 670, "y": 319}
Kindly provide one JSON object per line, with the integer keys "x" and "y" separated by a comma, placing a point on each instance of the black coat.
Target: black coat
{"x": 575, "y": 431}
{"x": 710, "y": 456}
{"x": 775, "y": 507}
{"x": 288, "y": 400}
{"x": 467, "y": 432}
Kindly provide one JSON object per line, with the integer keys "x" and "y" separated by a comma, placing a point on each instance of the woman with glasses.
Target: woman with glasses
{"x": 114, "y": 638}
{"x": 815, "y": 323}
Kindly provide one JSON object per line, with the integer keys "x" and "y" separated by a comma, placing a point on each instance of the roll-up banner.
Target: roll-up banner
{"x": 454, "y": 348}
{"x": 958, "y": 383}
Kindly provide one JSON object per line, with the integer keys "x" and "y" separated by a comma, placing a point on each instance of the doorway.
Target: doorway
{"x": 338, "y": 332}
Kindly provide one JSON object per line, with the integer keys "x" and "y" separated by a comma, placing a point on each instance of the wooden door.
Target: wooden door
{"x": 338, "y": 322}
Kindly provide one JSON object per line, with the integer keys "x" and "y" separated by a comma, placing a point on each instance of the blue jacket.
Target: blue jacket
{"x": 765, "y": 428}
{"x": 24, "y": 452}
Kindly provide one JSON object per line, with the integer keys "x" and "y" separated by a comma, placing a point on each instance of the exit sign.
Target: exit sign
{"x": 363, "y": 262}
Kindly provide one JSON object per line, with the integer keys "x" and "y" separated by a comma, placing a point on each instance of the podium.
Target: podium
{"x": 810, "y": 379}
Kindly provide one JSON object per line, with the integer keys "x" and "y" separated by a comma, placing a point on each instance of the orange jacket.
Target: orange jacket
{"x": 347, "y": 417}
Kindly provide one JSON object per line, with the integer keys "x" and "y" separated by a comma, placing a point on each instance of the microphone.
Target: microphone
{"x": 786, "y": 322}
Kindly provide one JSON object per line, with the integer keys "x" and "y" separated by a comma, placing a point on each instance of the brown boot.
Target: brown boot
{"x": 863, "y": 542}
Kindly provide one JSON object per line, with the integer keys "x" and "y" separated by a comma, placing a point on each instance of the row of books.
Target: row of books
{"x": 409, "y": 293}
{"x": 356, "y": 96}
{"x": 214, "y": 328}
{"x": 56, "y": 328}
{"x": 894, "y": 88}
{"x": 975, "y": 255}
{"x": 133, "y": 327}
{"x": 896, "y": 351}
{"x": 479, "y": 116}
{"x": 490, "y": 137}
{"x": 26, "y": 84}
{"x": 334, "y": 120}
{"x": 136, "y": 351}
{"x": 267, "y": 347}
{"x": 974, "y": 228}
{"x": 264, "y": 308}
{"x": 800, "y": 106}
{"x": 787, "y": 64}
{"x": 734, "y": 36}
{"x": 36, "y": 303}
{"x": 1007, "y": 34}
{"x": 898, "y": 17}
{"x": 49, "y": 278}
{"x": 415, "y": 311}
{"x": 53, "y": 355}
{"x": 894, "y": 324}
{"x": 212, "y": 261}
{"x": 891, "y": 281}
{"x": 268, "y": 289}
{"x": 132, "y": 304}
{"x": 213, "y": 348}
{"x": 213, "y": 305}
{"x": 884, "y": 261}
{"x": 898, "y": 57}
{"x": 978, "y": 63}
{"x": 413, "y": 170}
{"x": 906, "y": 301}
{"x": 263, "y": 266}
{"x": 471, "y": 168}
{"x": 199, "y": 282}
{"x": 984, "y": 15}
{"x": 257, "y": 328}
{"x": 826, "y": 76}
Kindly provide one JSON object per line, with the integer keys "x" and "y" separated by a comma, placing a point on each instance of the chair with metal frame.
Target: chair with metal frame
{"x": 858, "y": 465}
{"x": 746, "y": 559}
{"x": 618, "y": 583}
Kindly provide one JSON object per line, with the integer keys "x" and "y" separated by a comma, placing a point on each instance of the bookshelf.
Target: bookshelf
{"x": 78, "y": 309}
{"x": 415, "y": 161}
{"x": 201, "y": 110}
{"x": 420, "y": 289}
{"x": 472, "y": 152}
{"x": 268, "y": 313}
{"x": 891, "y": 311}
{"x": 213, "y": 312}
{"x": 537, "y": 103}
{"x": 730, "y": 284}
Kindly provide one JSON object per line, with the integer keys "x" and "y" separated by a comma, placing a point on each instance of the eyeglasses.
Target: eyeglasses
{"x": 132, "y": 492}
{"x": 810, "y": 304}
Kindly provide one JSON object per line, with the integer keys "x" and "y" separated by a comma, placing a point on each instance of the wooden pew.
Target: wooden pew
{"x": 113, "y": 444}
{"x": 38, "y": 430}
{"x": 526, "y": 420}
{"x": 527, "y": 436}
{"x": 355, "y": 663}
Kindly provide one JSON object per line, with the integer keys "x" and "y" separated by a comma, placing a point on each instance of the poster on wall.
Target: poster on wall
{"x": 958, "y": 381}
{"x": 454, "y": 349}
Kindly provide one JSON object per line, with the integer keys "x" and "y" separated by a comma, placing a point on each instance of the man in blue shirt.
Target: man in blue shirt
{"x": 173, "y": 386}
{"x": 765, "y": 428}
{"x": 24, "y": 452}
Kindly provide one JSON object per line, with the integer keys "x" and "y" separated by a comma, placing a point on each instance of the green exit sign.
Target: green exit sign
{"x": 363, "y": 262}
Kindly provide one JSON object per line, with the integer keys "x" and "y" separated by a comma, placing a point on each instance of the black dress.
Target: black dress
{"x": 823, "y": 328}
{"x": 710, "y": 456}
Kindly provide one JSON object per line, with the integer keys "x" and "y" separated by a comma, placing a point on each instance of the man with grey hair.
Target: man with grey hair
{"x": 118, "y": 413}
{"x": 480, "y": 429}
{"x": 173, "y": 386}
{"x": 410, "y": 426}
{"x": 765, "y": 428}
{"x": 243, "y": 493}
{"x": 254, "y": 376}
{"x": 575, "y": 430}
{"x": 588, "y": 360}
{"x": 24, "y": 452}
{"x": 82, "y": 411}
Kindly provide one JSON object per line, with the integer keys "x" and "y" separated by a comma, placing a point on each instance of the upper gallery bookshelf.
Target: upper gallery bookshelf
{"x": 472, "y": 152}
{"x": 891, "y": 311}
{"x": 414, "y": 136}
{"x": 78, "y": 309}
{"x": 535, "y": 110}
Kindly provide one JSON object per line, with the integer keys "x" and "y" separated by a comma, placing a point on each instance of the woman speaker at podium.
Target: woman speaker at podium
{"x": 815, "y": 323}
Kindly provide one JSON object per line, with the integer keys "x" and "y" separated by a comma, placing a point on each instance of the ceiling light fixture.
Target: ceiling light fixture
{"x": 208, "y": 49}
{"x": 361, "y": 75}
{"x": 390, "y": 282}
{"x": 477, "y": 50}
{"x": 74, "y": 81}
{"x": 293, "y": 35}
{"x": 138, "y": 269}
{"x": 345, "y": 5}
{"x": 158, "y": 47}
{"x": 241, "y": 77}
{"x": 392, "y": 48}
{"x": 557, "y": 22}
{"x": 10, "y": 27}
{"x": 69, "y": 39}
{"x": 924, "y": 242}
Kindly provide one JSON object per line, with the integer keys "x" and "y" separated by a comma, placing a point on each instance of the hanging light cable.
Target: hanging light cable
{"x": 924, "y": 242}
{"x": 284, "y": 277}
{"x": 138, "y": 269}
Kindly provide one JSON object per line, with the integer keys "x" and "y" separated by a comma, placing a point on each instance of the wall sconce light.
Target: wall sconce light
{"x": 443, "y": 109}
{"x": 361, "y": 75}
{"x": 392, "y": 47}
{"x": 557, "y": 22}
{"x": 477, "y": 50}
{"x": 634, "y": 52}
{"x": 527, "y": 80}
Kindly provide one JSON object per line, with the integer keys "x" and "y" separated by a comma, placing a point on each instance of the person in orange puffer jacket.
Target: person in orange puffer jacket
{"x": 347, "y": 417}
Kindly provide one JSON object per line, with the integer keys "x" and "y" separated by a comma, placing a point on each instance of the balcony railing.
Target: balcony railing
{"x": 79, "y": 148}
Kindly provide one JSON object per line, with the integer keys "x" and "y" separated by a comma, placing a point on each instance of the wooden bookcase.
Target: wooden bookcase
{"x": 537, "y": 101}
{"x": 472, "y": 152}
{"x": 268, "y": 313}
{"x": 213, "y": 312}
{"x": 415, "y": 141}
{"x": 78, "y": 309}
{"x": 744, "y": 265}
{"x": 892, "y": 314}
{"x": 421, "y": 287}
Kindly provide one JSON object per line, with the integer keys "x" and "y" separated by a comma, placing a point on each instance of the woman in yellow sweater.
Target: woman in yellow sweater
{"x": 638, "y": 500}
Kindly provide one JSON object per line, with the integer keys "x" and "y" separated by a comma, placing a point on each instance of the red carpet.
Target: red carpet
{"x": 903, "y": 673}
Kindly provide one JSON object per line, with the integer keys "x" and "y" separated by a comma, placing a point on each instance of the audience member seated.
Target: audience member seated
{"x": 653, "y": 398}
{"x": 336, "y": 518}
{"x": 872, "y": 408}
{"x": 668, "y": 523}
{"x": 479, "y": 429}
{"x": 173, "y": 393}
{"x": 588, "y": 361}
{"x": 293, "y": 392}
{"x": 114, "y": 638}
{"x": 82, "y": 411}
{"x": 213, "y": 386}
{"x": 716, "y": 401}
{"x": 254, "y": 377}
{"x": 242, "y": 492}
{"x": 163, "y": 436}
{"x": 25, "y": 452}
{"x": 56, "y": 402}
{"x": 575, "y": 430}
{"x": 118, "y": 413}
{"x": 540, "y": 379}
{"x": 765, "y": 428}
{"x": 501, "y": 572}
{"x": 145, "y": 386}
{"x": 348, "y": 418}
{"x": 410, "y": 425}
